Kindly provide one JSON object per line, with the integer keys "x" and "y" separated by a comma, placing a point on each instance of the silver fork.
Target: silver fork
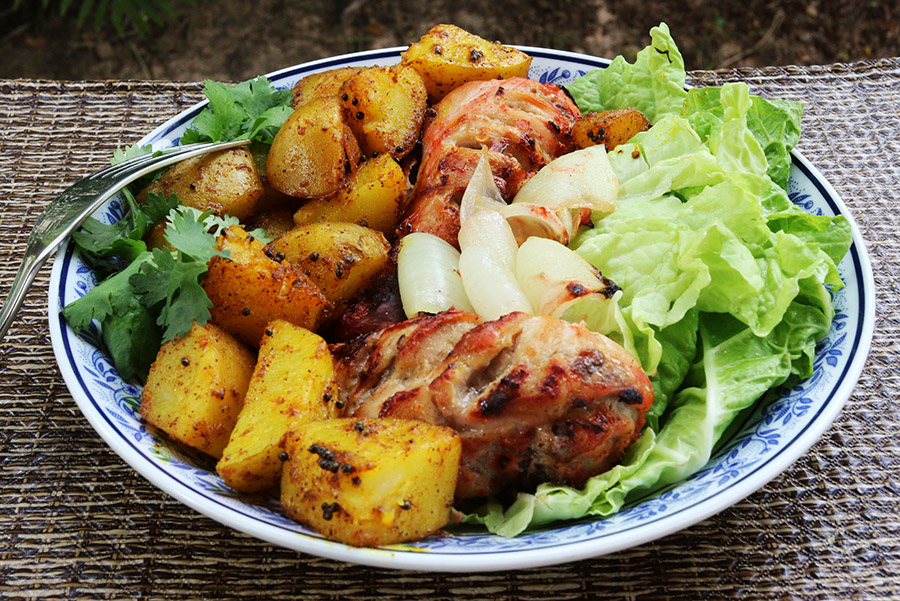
{"x": 69, "y": 210}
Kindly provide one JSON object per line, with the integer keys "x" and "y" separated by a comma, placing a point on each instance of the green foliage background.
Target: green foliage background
{"x": 118, "y": 13}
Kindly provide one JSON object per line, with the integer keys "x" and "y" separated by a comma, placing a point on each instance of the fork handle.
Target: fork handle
{"x": 19, "y": 289}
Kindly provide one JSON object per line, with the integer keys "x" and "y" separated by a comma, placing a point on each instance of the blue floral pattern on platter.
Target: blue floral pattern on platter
{"x": 771, "y": 430}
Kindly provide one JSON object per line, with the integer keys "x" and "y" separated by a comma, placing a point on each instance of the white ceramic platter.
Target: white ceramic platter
{"x": 768, "y": 442}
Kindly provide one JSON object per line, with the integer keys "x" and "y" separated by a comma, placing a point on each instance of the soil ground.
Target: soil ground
{"x": 234, "y": 40}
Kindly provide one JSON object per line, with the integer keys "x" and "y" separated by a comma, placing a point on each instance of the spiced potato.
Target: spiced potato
{"x": 291, "y": 384}
{"x": 370, "y": 482}
{"x": 196, "y": 387}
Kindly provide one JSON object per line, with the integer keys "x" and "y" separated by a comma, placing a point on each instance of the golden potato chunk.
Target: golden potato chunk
{"x": 250, "y": 289}
{"x": 372, "y": 198}
{"x": 326, "y": 84}
{"x": 447, "y": 57}
{"x": 385, "y": 107}
{"x": 225, "y": 182}
{"x": 275, "y": 220}
{"x": 342, "y": 259}
{"x": 370, "y": 482}
{"x": 291, "y": 384}
{"x": 196, "y": 388}
{"x": 611, "y": 128}
{"x": 308, "y": 155}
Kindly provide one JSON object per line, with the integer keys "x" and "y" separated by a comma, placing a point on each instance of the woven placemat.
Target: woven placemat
{"x": 77, "y": 522}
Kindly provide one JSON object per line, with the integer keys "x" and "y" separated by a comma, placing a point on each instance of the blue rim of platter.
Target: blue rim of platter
{"x": 770, "y": 439}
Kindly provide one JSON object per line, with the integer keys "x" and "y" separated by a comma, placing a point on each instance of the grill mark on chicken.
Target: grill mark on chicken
{"x": 535, "y": 399}
{"x": 587, "y": 362}
{"x": 630, "y": 396}
{"x": 550, "y": 385}
{"x": 505, "y": 390}
{"x": 524, "y": 127}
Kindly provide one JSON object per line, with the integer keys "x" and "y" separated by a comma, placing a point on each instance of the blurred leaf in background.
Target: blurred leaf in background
{"x": 118, "y": 13}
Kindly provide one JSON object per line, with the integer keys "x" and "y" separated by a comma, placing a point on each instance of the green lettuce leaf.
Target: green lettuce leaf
{"x": 654, "y": 84}
{"x": 668, "y": 157}
{"x": 775, "y": 124}
{"x": 678, "y": 344}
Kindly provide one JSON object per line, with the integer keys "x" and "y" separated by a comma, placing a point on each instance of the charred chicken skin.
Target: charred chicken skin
{"x": 535, "y": 399}
{"x": 523, "y": 123}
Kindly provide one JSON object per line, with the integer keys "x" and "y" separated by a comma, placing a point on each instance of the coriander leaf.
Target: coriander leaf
{"x": 122, "y": 238}
{"x": 262, "y": 235}
{"x": 187, "y": 304}
{"x": 109, "y": 297}
{"x": 223, "y": 119}
{"x": 256, "y": 96}
{"x": 189, "y": 232}
{"x": 132, "y": 340}
{"x": 120, "y": 155}
{"x": 267, "y": 125}
{"x": 151, "y": 281}
{"x": 173, "y": 283}
{"x": 108, "y": 240}
{"x": 192, "y": 136}
{"x": 252, "y": 109}
{"x": 158, "y": 206}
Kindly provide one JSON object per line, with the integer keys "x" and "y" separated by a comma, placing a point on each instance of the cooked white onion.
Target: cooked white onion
{"x": 482, "y": 191}
{"x": 492, "y": 287}
{"x": 560, "y": 283}
{"x": 527, "y": 220}
{"x": 580, "y": 179}
{"x": 428, "y": 273}
{"x": 489, "y": 229}
{"x": 553, "y": 277}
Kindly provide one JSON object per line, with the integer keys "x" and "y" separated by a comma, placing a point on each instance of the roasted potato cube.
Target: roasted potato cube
{"x": 342, "y": 259}
{"x": 447, "y": 57}
{"x": 326, "y": 84}
{"x": 370, "y": 482}
{"x": 291, "y": 384}
{"x": 196, "y": 386}
{"x": 249, "y": 289}
{"x": 385, "y": 107}
{"x": 308, "y": 155}
{"x": 276, "y": 220}
{"x": 611, "y": 128}
{"x": 372, "y": 198}
{"x": 225, "y": 182}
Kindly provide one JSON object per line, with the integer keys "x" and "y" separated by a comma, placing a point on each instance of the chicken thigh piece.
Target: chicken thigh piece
{"x": 523, "y": 123}
{"x": 535, "y": 399}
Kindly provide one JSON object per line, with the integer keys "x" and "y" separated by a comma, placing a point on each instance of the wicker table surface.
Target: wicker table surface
{"x": 77, "y": 522}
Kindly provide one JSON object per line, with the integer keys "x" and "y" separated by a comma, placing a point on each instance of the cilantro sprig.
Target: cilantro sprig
{"x": 124, "y": 238}
{"x": 252, "y": 109}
